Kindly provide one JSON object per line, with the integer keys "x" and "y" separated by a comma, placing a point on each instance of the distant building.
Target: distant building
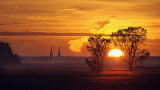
{"x": 51, "y": 53}
{"x": 59, "y": 52}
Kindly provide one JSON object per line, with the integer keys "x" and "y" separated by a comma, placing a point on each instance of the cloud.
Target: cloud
{"x": 70, "y": 9}
{"x": 86, "y": 8}
{"x": 113, "y": 16}
{"x": 99, "y": 25}
{"x": 76, "y": 45}
{"x": 153, "y": 41}
{"x": 156, "y": 26}
{"x": 24, "y": 8}
{"x": 122, "y": 0}
{"x": 39, "y": 18}
{"x": 147, "y": 9}
{"x": 6, "y": 16}
{"x": 15, "y": 7}
{"x": 9, "y": 24}
{"x": 45, "y": 34}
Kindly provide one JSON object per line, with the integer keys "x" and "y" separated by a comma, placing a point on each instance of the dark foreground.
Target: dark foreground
{"x": 45, "y": 79}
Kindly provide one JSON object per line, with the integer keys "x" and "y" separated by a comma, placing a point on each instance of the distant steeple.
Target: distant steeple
{"x": 59, "y": 52}
{"x": 51, "y": 53}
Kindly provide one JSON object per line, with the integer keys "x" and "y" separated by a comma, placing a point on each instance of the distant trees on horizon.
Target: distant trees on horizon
{"x": 7, "y": 57}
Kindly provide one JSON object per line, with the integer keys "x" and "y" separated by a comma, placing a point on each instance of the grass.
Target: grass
{"x": 50, "y": 79}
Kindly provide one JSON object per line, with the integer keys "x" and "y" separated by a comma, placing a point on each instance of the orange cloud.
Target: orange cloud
{"x": 76, "y": 45}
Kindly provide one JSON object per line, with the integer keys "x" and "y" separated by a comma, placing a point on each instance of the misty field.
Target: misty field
{"x": 48, "y": 77}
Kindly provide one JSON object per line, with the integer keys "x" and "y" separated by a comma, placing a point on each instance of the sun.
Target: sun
{"x": 115, "y": 53}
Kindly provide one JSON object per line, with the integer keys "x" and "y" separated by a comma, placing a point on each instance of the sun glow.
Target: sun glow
{"x": 115, "y": 53}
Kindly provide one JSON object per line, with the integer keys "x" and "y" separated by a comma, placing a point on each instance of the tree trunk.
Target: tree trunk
{"x": 130, "y": 68}
{"x": 101, "y": 64}
{"x": 130, "y": 63}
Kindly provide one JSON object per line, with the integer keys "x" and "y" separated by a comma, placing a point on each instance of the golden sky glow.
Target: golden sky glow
{"x": 75, "y": 16}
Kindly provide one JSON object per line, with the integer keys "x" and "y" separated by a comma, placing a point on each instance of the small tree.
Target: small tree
{"x": 142, "y": 56}
{"x": 131, "y": 41}
{"x": 97, "y": 47}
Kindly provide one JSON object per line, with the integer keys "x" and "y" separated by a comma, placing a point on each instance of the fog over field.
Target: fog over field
{"x": 70, "y": 73}
{"x": 110, "y": 63}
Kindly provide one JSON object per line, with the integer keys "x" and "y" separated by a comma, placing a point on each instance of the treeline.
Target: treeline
{"x": 7, "y": 57}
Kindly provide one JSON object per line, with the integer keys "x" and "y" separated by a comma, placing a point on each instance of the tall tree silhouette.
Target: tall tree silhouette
{"x": 97, "y": 47}
{"x": 6, "y": 55}
{"x": 132, "y": 42}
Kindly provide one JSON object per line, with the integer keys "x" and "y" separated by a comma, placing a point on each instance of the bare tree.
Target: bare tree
{"x": 97, "y": 47}
{"x": 132, "y": 42}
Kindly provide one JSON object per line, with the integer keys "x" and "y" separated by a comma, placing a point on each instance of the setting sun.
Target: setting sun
{"x": 115, "y": 53}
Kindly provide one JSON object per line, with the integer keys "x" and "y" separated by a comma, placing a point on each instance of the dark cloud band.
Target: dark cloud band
{"x": 46, "y": 34}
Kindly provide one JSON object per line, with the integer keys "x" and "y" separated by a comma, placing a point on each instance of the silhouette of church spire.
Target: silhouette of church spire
{"x": 51, "y": 53}
{"x": 59, "y": 52}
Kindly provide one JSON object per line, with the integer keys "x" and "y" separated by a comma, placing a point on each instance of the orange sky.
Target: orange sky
{"x": 74, "y": 16}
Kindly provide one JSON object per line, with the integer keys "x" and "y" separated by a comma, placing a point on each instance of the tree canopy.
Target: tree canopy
{"x": 132, "y": 42}
{"x": 97, "y": 47}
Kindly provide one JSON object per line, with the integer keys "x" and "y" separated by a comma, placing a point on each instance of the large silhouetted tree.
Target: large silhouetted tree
{"x": 97, "y": 47}
{"x": 132, "y": 42}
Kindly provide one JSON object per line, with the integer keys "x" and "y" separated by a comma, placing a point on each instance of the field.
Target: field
{"x": 76, "y": 77}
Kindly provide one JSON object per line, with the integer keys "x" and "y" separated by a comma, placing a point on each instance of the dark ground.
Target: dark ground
{"x": 78, "y": 79}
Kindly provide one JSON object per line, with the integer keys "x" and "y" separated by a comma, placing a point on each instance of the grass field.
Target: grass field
{"x": 49, "y": 78}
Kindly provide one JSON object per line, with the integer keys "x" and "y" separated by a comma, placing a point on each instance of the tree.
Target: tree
{"x": 97, "y": 47}
{"x": 7, "y": 57}
{"x": 132, "y": 42}
{"x": 142, "y": 56}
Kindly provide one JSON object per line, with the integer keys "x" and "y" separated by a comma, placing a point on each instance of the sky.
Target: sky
{"x": 75, "y": 19}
